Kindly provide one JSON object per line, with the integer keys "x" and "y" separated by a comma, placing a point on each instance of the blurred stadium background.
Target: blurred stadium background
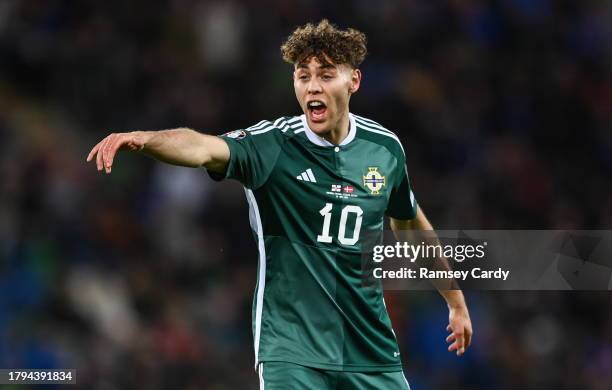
{"x": 144, "y": 278}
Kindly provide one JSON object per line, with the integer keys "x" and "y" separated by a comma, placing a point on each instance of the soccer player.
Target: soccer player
{"x": 314, "y": 183}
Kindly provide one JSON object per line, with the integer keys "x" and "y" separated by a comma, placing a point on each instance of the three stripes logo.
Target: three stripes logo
{"x": 307, "y": 175}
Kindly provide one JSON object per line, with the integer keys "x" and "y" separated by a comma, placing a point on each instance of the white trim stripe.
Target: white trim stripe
{"x": 282, "y": 124}
{"x": 392, "y": 331}
{"x": 379, "y": 131}
{"x": 299, "y": 131}
{"x": 263, "y": 130}
{"x": 262, "y": 384}
{"x": 372, "y": 123}
{"x": 259, "y": 125}
{"x": 385, "y": 133}
{"x": 406, "y": 380}
{"x": 261, "y": 281}
{"x": 373, "y": 126}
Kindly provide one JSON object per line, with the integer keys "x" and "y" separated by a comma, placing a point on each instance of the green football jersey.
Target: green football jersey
{"x": 311, "y": 203}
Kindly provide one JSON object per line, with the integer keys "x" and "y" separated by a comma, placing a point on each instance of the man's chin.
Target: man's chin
{"x": 319, "y": 128}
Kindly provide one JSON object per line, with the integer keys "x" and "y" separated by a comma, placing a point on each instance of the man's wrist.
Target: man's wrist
{"x": 142, "y": 138}
{"x": 454, "y": 299}
{"x": 458, "y": 306}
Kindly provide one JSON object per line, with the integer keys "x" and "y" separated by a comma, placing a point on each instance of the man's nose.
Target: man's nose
{"x": 314, "y": 86}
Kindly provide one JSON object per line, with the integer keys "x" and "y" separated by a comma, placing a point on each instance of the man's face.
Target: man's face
{"x": 323, "y": 91}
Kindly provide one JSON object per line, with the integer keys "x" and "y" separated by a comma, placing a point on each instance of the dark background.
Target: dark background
{"x": 144, "y": 278}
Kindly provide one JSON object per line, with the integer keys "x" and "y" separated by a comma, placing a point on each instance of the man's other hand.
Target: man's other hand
{"x": 460, "y": 326}
{"x": 106, "y": 149}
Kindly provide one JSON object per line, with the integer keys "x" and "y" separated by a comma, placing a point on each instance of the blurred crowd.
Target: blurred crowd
{"x": 144, "y": 278}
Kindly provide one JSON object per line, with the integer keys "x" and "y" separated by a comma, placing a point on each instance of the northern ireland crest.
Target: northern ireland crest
{"x": 374, "y": 180}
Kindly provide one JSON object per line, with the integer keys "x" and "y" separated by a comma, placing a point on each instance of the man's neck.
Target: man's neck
{"x": 340, "y": 132}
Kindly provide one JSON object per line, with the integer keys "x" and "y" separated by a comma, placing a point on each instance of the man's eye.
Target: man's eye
{"x": 327, "y": 77}
{"x": 303, "y": 77}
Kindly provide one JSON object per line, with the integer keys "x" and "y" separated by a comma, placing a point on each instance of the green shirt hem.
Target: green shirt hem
{"x": 338, "y": 367}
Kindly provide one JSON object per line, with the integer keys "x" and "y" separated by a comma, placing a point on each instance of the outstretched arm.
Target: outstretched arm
{"x": 180, "y": 146}
{"x": 459, "y": 323}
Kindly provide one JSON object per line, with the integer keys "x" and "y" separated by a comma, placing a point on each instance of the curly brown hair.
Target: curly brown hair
{"x": 325, "y": 39}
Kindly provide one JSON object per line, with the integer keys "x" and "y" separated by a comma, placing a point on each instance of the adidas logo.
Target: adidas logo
{"x": 307, "y": 176}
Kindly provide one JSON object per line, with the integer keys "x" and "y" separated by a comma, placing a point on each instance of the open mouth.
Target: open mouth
{"x": 317, "y": 110}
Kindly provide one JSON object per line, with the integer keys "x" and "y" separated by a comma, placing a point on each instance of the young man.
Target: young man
{"x": 314, "y": 183}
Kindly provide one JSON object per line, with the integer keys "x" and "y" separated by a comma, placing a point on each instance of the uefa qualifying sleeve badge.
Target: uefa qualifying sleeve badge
{"x": 374, "y": 180}
{"x": 236, "y": 134}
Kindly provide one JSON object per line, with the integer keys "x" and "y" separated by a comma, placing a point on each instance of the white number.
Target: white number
{"x": 341, "y": 233}
{"x": 326, "y": 213}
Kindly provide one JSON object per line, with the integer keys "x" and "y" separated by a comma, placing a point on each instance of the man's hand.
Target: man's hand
{"x": 106, "y": 149}
{"x": 460, "y": 326}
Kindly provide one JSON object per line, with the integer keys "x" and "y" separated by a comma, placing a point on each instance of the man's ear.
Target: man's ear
{"x": 355, "y": 80}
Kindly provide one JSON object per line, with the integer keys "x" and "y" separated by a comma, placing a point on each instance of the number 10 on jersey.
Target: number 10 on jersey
{"x": 326, "y": 212}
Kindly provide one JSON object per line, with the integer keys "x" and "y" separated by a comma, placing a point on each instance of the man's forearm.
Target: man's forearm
{"x": 448, "y": 288}
{"x": 459, "y": 323}
{"x": 181, "y": 146}
{"x": 453, "y": 298}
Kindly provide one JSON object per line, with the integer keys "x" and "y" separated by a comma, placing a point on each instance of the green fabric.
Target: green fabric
{"x": 310, "y": 208}
{"x": 282, "y": 376}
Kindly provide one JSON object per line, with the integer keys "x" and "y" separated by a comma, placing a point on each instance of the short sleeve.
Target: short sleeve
{"x": 253, "y": 154}
{"x": 402, "y": 203}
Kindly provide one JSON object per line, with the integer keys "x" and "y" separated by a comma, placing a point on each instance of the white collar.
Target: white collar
{"x": 315, "y": 139}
